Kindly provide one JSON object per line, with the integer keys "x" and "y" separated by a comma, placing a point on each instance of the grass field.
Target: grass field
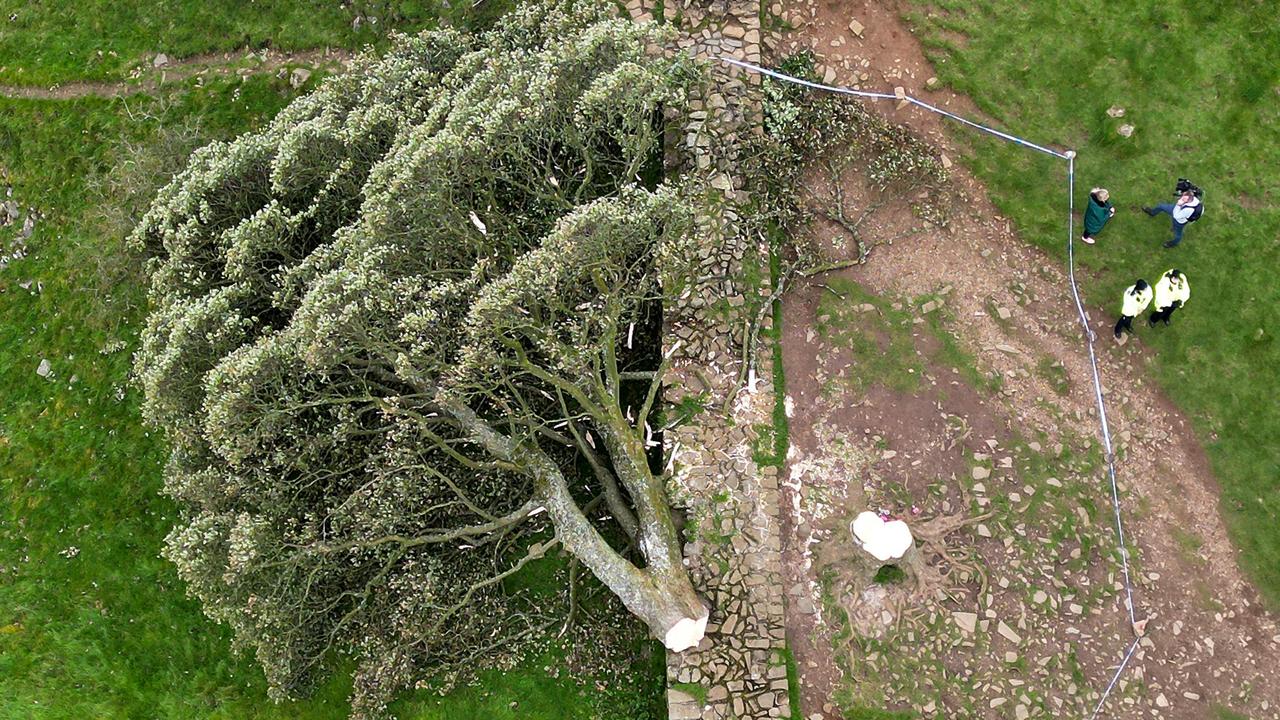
{"x": 93, "y": 623}
{"x": 56, "y": 41}
{"x": 1199, "y": 82}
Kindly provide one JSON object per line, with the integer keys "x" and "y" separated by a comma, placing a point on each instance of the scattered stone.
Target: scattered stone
{"x": 900, "y": 93}
{"x": 983, "y": 530}
{"x": 1162, "y": 701}
{"x": 856, "y": 27}
{"x": 160, "y": 60}
{"x": 932, "y": 83}
{"x": 1008, "y": 633}
{"x": 1020, "y": 712}
{"x": 1115, "y": 111}
{"x": 981, "y": 473}
{"x": 1039, "y": 597}
{"x": 1053, "y": 482}
{"x": 1076, "y": 608}
{"x": 1004, "y": 313}
{"x": 44, "y": 370}
{"x": 682, "y": 710}
{"x": 946, "y": 162}
{"x": 1125, "y": 130}
{"x": 966, "y": 621}
{"x": 299, "y": 77}
{"x": 930, "y": 307}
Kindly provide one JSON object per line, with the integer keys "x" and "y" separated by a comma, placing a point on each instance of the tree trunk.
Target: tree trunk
{"x": 661, "y": 595}
{"x": 659, "y": 540}
{"x": 663, "y": 598}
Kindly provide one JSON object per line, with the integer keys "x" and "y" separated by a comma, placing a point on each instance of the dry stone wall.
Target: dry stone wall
{"x": 734, "y": 551}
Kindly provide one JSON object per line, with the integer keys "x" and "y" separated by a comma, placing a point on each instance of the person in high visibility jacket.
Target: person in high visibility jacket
{"x": 1172, "y": 292}
{"x": 1136, "y": 299}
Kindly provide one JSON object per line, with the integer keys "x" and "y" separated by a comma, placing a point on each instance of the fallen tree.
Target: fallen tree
{"x": 412, "y": 326}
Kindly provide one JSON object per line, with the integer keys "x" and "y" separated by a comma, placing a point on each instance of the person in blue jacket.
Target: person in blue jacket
{"x": 1188, "y": 209}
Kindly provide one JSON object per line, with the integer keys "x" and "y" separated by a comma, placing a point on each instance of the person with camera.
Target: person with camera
{"x": 1136, "y": 299}
{"x": 1172, "y": 292}
{"x": 1187, "y": 209}
{"x": 1097, "y": 213}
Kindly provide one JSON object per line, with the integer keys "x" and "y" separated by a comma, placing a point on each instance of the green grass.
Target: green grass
{"x": 793, "y": 684}
{"x": 697, "y": 691}
{"x": 1199, "y": 82}
{"x": 781, "y": 426}
{"x": 1221, "y": 712}
{"x": 950, "y": 354}
{"x": 106, "y": 630}
{"x": 57, "y": 41}
{"x": 889, "y": 575}
{"x": 884, "y": 336}
{"x": 1055, "y": 373}
{"x": 879, "y": 339}
{"x": 870, "y": 713}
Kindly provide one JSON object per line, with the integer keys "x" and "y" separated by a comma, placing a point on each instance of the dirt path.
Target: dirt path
{"x": 1210, "y": 641}
{"x": 149, "y": 77}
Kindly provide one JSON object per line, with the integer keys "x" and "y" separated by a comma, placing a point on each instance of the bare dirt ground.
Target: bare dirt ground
{"x": 1209, "y": 644}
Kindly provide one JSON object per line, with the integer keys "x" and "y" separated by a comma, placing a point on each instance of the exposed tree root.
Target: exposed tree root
{"x": 934, "y": 570}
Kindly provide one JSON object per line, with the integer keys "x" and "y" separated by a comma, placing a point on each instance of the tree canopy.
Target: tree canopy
{"x": 403, "y": 341}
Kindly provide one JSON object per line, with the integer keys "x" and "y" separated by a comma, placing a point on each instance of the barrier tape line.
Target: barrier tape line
{"x": 797, "y": 81}
{"x": 1133, "y": 646}
{"x": 1097, "y": 384}
{"x": 890, "y": 96}
{"x": 1089, "y": 336}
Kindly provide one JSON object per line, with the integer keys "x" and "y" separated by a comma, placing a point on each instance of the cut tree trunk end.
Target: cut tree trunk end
{"x": 886, "y": 541}
{"x": 675, "y": 613}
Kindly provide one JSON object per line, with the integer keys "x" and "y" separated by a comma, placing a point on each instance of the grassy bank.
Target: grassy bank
{"x": 1199, "y": 85}
{"x": 93, "y": 623}
{"x": 56, "y": 41}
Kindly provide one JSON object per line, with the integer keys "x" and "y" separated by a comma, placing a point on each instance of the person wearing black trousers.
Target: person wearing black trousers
{"x": 1136, "y": 299}
{"x": 1172, "y": 292}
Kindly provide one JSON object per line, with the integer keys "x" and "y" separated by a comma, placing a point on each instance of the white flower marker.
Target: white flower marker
{"x": 883, "y": 540}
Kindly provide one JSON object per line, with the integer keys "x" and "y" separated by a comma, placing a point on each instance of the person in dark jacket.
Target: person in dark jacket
{"x": 1097, "y": 213}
